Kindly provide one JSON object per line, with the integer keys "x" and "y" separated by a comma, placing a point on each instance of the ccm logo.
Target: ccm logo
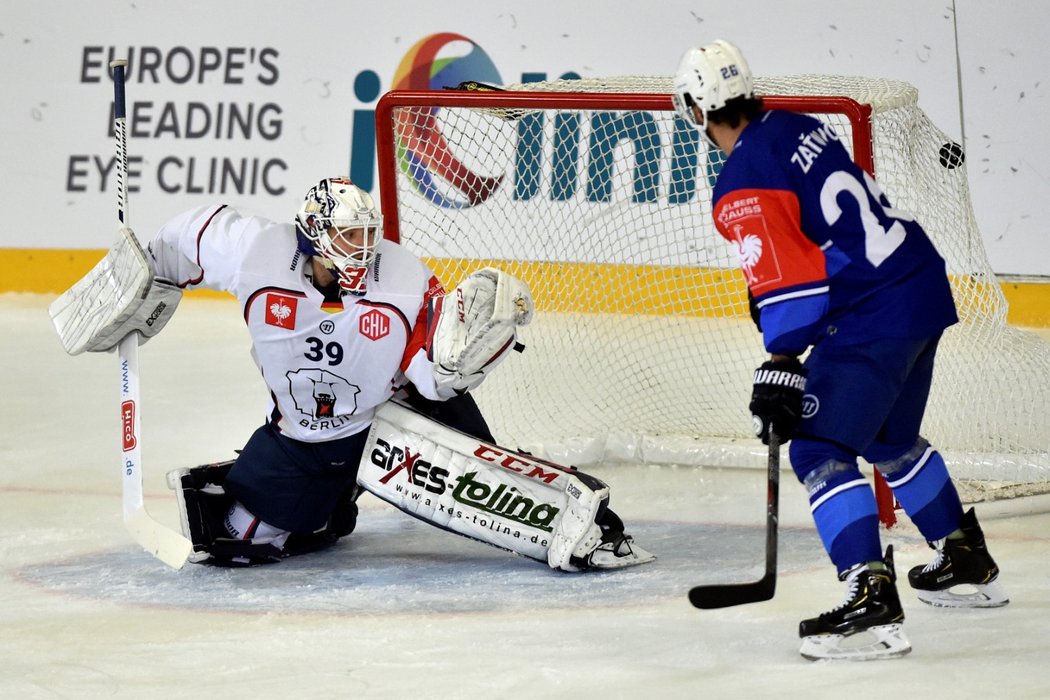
{"x": 514, "y": 463}
{"x": 127, "y": 421}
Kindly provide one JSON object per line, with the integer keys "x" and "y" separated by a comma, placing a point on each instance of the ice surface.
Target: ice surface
{"x": 401, "y": 610}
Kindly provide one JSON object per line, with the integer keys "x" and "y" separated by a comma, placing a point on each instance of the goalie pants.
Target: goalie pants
{"x": 295, "y": 485}
{"x": 290, "y": 484}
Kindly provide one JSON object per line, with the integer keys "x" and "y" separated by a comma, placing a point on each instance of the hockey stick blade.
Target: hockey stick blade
{"x": 163, "y": 543}
{"x": 729, "y": 594}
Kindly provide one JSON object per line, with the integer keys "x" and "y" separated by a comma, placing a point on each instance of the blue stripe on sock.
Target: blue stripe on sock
{"x": 848, "y": 523}
{"x": 925, "y": 491}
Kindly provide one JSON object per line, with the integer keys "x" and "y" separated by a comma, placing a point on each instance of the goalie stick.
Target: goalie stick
{"x": 730, "y": 594}
{"x": 162, "y": 542}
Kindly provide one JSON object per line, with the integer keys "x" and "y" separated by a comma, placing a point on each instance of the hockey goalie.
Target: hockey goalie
{"x": 369, "y": 365}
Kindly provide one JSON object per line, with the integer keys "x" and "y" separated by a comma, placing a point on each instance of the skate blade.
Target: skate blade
{"x": 635, "y": 556}
{"x": 880, "y": 642}
{"x": 988, "y": 595}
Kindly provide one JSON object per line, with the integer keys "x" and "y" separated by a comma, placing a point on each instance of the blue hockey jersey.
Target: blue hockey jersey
{"x": 821, "y": 248}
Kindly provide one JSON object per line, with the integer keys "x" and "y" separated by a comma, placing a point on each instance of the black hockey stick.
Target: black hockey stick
{"x": 730, "y": 594}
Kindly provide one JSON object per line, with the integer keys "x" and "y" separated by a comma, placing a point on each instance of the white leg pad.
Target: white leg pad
{"x": 479, "y": 490}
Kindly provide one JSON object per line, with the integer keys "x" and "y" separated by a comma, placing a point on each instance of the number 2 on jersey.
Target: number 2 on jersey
{"x": 879, "y": 240}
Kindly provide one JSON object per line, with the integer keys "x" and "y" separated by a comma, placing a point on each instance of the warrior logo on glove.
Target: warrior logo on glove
{"x": 776, "y": 398}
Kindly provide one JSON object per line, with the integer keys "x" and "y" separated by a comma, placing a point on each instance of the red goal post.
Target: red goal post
{"x": 642, "y": 350}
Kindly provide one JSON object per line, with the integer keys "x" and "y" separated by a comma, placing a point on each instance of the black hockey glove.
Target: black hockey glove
{"x": 776, "y": 398}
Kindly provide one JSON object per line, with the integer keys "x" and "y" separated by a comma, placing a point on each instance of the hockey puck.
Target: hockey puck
{"x": 951, "y": 155}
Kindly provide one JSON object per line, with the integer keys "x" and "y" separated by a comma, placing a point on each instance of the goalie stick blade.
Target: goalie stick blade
{"x": 728, "y": 595}
{"x": 165, "y": 544}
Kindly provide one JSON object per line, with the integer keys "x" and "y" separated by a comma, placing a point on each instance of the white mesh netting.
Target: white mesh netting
{"x": 643, "y": 347}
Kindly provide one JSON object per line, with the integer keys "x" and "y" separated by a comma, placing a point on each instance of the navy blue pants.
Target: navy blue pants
{"x": 295, "y": 485}
{"x": 868, "y": 398}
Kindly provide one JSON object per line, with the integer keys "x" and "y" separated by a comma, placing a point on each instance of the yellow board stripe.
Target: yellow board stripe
{"x": 50, "y": 271}
{"x": 650, "y": 290}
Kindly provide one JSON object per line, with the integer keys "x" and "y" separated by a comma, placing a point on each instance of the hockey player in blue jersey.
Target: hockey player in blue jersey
{"x": 833, "y": 269}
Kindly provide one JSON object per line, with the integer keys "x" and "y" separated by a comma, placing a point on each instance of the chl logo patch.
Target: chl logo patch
{"x": 374, "y": 325}
{"x": 280, "y": 311}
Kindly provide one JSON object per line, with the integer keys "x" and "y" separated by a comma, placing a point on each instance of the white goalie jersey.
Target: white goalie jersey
{"x": 328, "y": 365}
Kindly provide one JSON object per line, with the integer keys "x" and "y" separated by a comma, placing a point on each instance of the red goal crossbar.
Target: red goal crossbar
{"x": 859, "y": 116}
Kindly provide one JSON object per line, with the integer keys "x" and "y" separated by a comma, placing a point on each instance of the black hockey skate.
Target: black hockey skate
{"x": 867, "y": 625}
{"x": 961, "y": 562}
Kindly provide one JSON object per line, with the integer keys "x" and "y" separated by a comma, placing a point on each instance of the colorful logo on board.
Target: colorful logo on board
{"x": 433, "y": 63}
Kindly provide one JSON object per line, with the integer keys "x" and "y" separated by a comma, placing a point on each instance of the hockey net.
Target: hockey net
{"x": 642, "y": 350}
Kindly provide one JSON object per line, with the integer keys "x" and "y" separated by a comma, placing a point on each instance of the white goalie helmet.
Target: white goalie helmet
{"x": 341, "y": 225}
{"x": 708, "y": 77}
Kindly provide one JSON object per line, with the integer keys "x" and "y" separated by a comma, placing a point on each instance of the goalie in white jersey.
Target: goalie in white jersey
{"x": 342, "y": 321}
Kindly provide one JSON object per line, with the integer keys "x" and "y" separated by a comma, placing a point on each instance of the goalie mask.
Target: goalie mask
{"x": 708, "y": 77}
{"x": 338, "y": 223}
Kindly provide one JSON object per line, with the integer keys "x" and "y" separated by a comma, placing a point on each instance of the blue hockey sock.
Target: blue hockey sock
{"x": 848, "y": 522}
{"x": 841, "y": 500}
{"x": 920, "y": 482}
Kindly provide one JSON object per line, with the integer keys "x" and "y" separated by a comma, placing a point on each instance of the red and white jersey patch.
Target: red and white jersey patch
{"x": 280, "y": 310}
{"x": 374, "y": 325}
{"x": 764, "y": 227}
{"x": 757, "y": 253}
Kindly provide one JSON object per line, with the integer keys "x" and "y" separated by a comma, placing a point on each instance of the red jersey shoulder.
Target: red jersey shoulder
{"x": 765, "y": 228}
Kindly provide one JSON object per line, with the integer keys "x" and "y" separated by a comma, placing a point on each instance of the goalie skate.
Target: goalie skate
{"x": 615, "y": 549}
{"x": 617, "y": 553}
{"x": 865, "y": 626}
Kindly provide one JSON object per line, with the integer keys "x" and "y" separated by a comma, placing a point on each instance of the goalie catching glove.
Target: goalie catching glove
{"x": 471, "y": 329}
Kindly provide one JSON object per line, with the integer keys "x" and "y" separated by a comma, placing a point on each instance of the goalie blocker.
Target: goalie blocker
{"x": 479, "y": 490}
{"x": 117, "y": 297}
